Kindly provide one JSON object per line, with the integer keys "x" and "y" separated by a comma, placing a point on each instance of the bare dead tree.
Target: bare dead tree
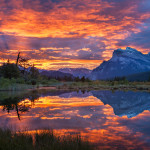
{"x": 18, "y": 57}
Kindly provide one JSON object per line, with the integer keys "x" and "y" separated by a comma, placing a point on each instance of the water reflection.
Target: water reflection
{"x": 128, "y": 103}
{"x": 109, "y": 119}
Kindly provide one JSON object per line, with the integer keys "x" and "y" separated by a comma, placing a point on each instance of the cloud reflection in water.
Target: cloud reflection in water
{"x": 86, "y": 114}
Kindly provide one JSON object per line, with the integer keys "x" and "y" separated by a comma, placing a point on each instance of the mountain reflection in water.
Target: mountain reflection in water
{"x": 109, "y": 119}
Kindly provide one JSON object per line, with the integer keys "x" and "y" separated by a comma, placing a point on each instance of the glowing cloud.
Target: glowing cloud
{"x": 71, "y": 30}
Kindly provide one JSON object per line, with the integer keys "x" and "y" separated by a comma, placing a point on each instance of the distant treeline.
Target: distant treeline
{"x": 25, "y": 72}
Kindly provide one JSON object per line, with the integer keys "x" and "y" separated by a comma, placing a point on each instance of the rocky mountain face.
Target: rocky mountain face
{"x": 123, "y": 63}
{"x": 76, "y": 72}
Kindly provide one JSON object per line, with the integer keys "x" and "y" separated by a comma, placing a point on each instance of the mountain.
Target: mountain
{"x": 77, "y": 72}
{"x": 56, "y": 74}
{"x": 123, "y": 63}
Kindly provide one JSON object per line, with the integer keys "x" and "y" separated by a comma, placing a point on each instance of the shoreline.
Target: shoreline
{"x": 121, "y": 87}
{"x": 84, "y": 86}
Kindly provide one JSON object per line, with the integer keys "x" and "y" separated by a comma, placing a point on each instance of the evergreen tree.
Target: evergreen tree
{"x": 34, "y": 72}
{"x": 9, "y": 70}
{"x": 77, "y": 79}
{"x": 87, "y": 80}
{"x": 83, "y": 79}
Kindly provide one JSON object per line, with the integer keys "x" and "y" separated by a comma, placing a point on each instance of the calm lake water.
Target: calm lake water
{"x": 116, "y": 120}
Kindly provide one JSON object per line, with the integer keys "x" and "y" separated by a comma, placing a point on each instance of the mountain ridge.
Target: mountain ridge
{"x": 76, "y": 72}
{"x": 129, "y": 63}
{"x": 123, "y": 63}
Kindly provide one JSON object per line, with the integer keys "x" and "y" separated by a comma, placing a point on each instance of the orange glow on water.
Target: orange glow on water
{"x": 84, "y": 116}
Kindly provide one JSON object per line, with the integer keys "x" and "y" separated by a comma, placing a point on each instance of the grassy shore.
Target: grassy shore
{"x": 19, "y": 85}
{"x": 106, "y": 85}
{"x": 45, "y": 140}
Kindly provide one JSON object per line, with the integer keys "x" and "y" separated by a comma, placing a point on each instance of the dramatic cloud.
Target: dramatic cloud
{"x": 71, "y": 31}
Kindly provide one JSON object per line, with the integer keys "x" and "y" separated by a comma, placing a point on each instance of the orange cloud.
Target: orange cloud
{"x": 110, "y": 21}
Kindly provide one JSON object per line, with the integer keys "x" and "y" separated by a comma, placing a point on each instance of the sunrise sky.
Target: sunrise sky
{"x": 55, "y": 34}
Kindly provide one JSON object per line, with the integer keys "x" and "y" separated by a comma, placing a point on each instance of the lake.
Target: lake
{"x": 118, "y": 120}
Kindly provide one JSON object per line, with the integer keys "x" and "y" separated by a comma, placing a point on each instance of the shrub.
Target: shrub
{"x": 53, "y": 80}
{"x": 4, "y": 82}
{"x": 33, "y": 82}
{"x": 20, "y": 81}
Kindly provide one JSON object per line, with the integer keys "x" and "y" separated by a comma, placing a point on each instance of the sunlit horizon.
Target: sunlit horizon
{"x": 57, "y": 34}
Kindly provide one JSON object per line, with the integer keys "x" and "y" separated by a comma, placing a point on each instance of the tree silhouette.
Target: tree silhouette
{"x": 77, "y": 79}
{"x": 83, "y": 79}
{"x": 18, "y": 57}
{"x": 9, "y": 70}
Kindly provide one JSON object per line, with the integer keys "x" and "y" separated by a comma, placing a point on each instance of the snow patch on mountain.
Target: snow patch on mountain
{"x": 122, "y": 63}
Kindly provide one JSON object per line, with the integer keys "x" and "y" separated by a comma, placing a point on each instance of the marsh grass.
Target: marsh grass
{"x": 13, "y": 85}
{"x": 20, "y": 85}
{"x": 107, "y": 85}
{"x": 44, "y": 140}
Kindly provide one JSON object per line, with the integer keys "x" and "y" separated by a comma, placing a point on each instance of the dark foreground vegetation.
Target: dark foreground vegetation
{"x": 44, "y": 140}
